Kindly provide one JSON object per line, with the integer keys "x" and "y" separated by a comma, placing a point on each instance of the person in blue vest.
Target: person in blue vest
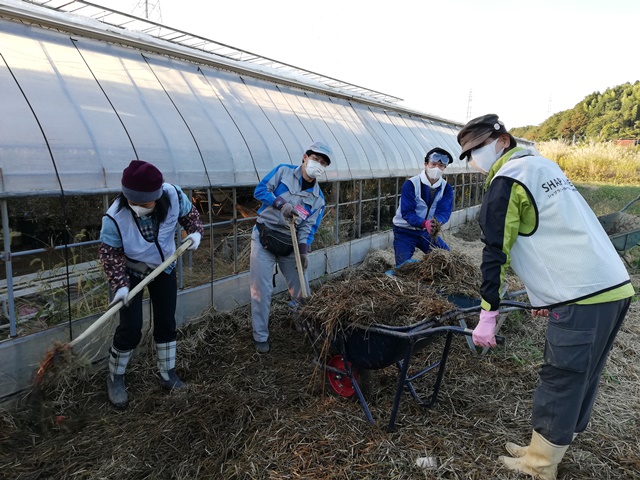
{"x": 286, "y": 192}
{"x": 138, "y": 234}
{"x": 535, "y": 221}
{"x": 424, "y": 199}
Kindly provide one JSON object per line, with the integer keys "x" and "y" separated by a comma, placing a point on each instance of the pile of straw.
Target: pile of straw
{"x": 373, "y": 299}
{"x": 450, "y": 272}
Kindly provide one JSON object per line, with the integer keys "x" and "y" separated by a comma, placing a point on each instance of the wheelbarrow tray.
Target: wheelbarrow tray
{"x": 379, "y": 346}
{"x": 623, "y": 229}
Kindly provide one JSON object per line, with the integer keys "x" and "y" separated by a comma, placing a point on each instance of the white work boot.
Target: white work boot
{"x": 167, "y": 377}
{"x": 516, "y": 450}
{"x": 116, "y": 391}
{"x": 540, "y": 459}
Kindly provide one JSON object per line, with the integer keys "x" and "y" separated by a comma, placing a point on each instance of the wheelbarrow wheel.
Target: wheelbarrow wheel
{"x": 341, "y": 384}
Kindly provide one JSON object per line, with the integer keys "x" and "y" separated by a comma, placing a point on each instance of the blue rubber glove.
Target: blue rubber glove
{"x": 484, "y": 335}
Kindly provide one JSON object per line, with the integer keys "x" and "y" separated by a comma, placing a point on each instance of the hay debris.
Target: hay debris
{"x": 436, "y": 228}
{"x": 372, "y": 299}
{"x": 450, "y": 272}
{"x": 251, "y": 416}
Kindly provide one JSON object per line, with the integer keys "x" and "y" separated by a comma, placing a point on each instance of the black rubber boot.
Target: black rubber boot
{"x": 117, "y": 392}
{"x": 174, "y": 382}
{"x": 262, "y": 347}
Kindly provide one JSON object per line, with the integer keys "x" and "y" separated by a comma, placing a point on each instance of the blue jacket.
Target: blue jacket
{"x": 413, "y": 209}
{"x": 286, "y": 181}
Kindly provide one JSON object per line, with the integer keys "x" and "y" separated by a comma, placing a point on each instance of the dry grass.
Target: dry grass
{"x": 251, "y": 416}
{"x": 594, "y": 161}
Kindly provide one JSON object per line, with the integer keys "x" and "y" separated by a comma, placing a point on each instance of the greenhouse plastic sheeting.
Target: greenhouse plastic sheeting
{"x": 77, "y": 110}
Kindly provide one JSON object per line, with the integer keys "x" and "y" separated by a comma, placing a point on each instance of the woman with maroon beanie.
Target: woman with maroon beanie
{"x": 138, "y": 234}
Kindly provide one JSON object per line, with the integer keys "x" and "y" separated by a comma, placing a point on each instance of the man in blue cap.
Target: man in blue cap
{"x": 425, "y": 199}
{"x": 286, "y": 192}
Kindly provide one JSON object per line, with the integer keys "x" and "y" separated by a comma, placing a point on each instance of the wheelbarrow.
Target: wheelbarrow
{"x": 379, "y": 346}
{"x": 623, "y": 229}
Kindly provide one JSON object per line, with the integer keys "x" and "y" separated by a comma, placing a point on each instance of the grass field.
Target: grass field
{"x": 595, "y": 163}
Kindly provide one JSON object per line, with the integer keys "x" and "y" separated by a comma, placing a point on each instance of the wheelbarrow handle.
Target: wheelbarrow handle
{"x": 499, "y": 338}
{"x": 630, "y": 203}
{"x": 505, "y": 306}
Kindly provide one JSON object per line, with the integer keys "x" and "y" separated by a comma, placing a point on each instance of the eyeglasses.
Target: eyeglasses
{"x": 436, "y": 157}
{"x": 318, "y": 159}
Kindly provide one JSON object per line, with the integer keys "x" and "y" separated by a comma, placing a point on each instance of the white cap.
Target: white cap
{"x": 321, "y": 148}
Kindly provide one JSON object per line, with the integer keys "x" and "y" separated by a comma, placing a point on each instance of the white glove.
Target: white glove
{"x": 196, "y": 237}
{"x": 120, "y": 296}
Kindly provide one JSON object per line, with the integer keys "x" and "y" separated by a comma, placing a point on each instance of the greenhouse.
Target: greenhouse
{"x": 86, "y": 89}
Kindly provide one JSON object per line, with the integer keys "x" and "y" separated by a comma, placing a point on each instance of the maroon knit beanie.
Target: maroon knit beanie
{"x": 141, "y": 182}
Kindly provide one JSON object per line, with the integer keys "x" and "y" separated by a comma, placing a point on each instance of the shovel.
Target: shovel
{"x": 304, "y": 327}
{"x": 296, "y": 251}
{"x": 55, "y": 352}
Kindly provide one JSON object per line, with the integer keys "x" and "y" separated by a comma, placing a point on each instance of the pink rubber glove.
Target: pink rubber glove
{"x": 427, "y": 226}
{"x": 484, "y": 335}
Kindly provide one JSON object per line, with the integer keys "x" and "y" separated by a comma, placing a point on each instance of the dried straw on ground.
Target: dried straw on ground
{"x": 251, "y": 416}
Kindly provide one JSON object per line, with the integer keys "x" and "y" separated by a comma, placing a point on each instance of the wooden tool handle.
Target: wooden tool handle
{"x": 138, "y": 288}
{"x": 296, "y": 251}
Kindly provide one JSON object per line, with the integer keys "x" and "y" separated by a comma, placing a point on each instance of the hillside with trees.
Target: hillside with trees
{"x": 612, "y": 115}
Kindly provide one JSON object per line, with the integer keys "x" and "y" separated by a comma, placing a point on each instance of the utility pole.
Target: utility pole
{"x": 149, "y": 9}
{"x": 469, "y": 105}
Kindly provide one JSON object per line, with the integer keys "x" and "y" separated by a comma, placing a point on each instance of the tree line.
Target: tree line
{"x": 612, "y": 115}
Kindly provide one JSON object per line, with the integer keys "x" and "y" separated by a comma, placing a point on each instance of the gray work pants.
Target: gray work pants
{"x": 261, "y": 273}
{"x": 579, "y": 339}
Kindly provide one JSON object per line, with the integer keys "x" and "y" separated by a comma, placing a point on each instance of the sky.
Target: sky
{"x": 456, "y": 59}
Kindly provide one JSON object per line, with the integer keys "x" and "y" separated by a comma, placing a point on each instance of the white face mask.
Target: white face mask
{"x": 434, "y": 173}
{"x": 484, "y": 157}
{"x": 314, "y": 169}
{"x": 142, "y": 211}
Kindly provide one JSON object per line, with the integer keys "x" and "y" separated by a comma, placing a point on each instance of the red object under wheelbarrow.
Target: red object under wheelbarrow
{"x": 379, "y": 346}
